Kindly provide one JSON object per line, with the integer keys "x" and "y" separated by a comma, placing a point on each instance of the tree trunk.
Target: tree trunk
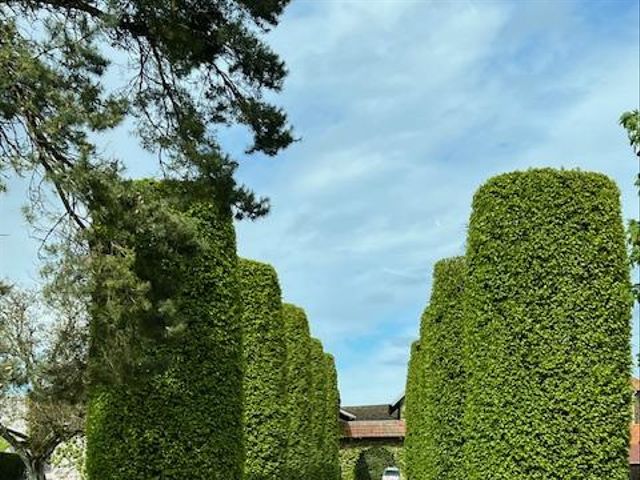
{"x": 35, "y": 469}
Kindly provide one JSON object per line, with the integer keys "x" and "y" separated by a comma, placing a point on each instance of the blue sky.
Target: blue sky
{"x": 404, "y": 108}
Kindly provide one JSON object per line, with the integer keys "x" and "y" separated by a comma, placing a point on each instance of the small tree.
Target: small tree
{"x": 42, "y": 365}
{"x": 630, "y": 121}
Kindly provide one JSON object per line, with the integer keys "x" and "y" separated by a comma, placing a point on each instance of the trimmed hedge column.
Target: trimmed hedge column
{"x": 437, "y": 404}
{"x": 547, "y": 328}
{"x": 331, "y": 447}
{"x": 299, "y": 399}
{"x": 412, "y": 410}
{"x": 186, "y": 420}
{"x": 317, "y": 427}
{"x": 265, "y": 371}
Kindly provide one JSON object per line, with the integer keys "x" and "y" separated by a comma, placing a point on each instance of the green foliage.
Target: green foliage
{"x": 179, "y": 414}
{"x": 313, "y": 407}
{"x": 4, "y": 288}
{"x": 265, "y": 371}
{"x": 300, "y": 442}
{"x": 71, "y": 454}
{"x": 547, "y": 332}
{"x": 372, "y": 462}
{"x": 3, "y": 445}
{"x": 141, "y": 238}
{"x": 318, "y": 408}
{"x": 331, "y": 441}
{"x": 400, "y": 454}
{"x": 435, "y": 397}
{"x": 630, "y": 121}
{"x": 412, "y": 411}
{"x": 11, "y": 467}
{"x": 350, "y": 459}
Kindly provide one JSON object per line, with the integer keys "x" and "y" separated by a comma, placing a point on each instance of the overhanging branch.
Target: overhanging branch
{"x": 16, "y": 439}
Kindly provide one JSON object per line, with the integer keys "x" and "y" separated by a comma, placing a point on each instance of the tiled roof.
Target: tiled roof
{"x": 373, "y": 429}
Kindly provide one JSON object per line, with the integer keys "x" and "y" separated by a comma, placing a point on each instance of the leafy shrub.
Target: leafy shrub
{"x": 184, "y": 421}
{"x": 351, "y": 459}
{"x": 547, "y": 334}
{"x": 372, "y": 463}
{"x": 71, "y": 454}
{"x": 265, "y": 371}
{"x": 436, "y": 393}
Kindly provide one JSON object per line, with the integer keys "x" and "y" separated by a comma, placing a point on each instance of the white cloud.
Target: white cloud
{"x": 405, "y": 108}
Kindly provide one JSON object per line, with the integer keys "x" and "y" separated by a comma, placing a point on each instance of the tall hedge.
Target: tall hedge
{"x": 547, "y": 334}
{"x": 300, "y": 442}
{"x": 437, "y": 403}
{"x": 331, "y": 443}
{"x": 412, "y": 410}
{"x": 317, "y": 426}
{"x": 184, "y": 421}
{"x": 265, "y": 353}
